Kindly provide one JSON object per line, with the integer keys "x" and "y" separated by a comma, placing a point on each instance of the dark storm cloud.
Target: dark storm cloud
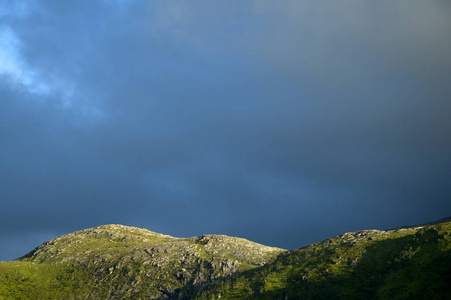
{"x": 284, "y": 123}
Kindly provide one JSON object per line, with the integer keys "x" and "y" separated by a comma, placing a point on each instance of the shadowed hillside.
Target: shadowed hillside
{"x": 406, "y": 263}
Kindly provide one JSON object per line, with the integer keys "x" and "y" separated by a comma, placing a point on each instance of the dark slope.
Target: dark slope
{"x": 405, "y": 263}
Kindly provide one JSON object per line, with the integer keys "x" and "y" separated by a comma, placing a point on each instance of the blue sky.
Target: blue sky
{"x": 281, "y": 122}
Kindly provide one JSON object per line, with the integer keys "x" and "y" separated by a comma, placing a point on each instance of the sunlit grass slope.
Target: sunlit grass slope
{"x": 120, "y": 262}
{"x": 116, "y": 262}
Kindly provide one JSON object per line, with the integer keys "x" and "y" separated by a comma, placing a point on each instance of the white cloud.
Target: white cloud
{"x": 17, "y": 73}
{"x": 12, "y": 66}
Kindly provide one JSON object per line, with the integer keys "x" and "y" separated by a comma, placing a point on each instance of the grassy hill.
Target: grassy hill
{"x": 406, "y": 263}
{"x": 117, "y": 262}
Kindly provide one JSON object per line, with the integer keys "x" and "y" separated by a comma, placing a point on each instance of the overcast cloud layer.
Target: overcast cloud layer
{"x": 283, "y": 122}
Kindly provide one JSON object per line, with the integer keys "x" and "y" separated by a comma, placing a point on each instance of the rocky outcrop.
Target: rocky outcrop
{"x": 131, "y": 261}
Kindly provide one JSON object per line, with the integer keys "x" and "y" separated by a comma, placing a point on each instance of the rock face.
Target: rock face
{"x": 125, "y": 261}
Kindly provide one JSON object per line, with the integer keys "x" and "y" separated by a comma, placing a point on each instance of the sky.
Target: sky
{"x": 282, "y": 122}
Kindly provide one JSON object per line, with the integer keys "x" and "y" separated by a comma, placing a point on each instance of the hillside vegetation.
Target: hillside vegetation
{"x": 408, "y": 263}
{"x": 119, "y": 262}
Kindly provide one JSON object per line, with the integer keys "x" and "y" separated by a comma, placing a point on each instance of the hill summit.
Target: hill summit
{"x": 121, "y": 262}
{"x": 116, "y": 261}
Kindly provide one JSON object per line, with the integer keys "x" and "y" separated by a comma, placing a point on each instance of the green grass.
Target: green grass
{"x": 117, "y": 262}
{"x": 401, "y": 264}
{"x": 27, "y": 280}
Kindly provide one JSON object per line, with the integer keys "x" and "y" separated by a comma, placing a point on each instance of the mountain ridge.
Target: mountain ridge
{"x": 115, "y": 262}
